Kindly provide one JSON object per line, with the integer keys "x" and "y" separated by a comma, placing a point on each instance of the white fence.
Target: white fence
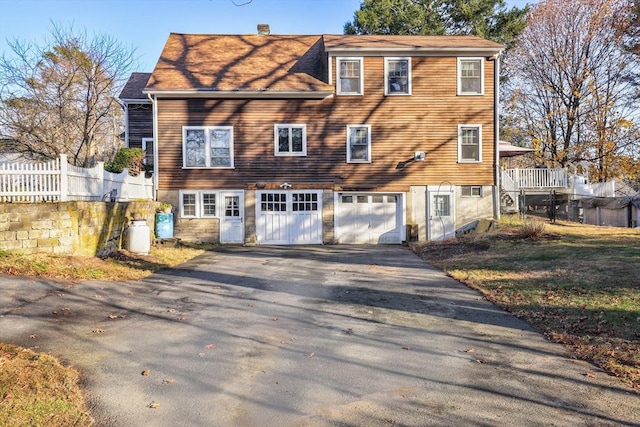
{"x": 56, "y": 180}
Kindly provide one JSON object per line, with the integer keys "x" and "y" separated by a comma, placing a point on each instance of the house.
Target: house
{"x": 322, "y": 139}
{"x": 138, "y": 132}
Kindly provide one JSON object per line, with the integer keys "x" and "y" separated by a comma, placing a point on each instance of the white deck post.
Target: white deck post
{"x": 64, "y": 178}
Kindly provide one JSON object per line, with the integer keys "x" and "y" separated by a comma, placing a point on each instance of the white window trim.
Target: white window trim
{"x": 471, "y": 187}
{"x": 207, "y": 130}
{"x": 459, "y": 76}
{"x": 460, "y": 159}
{"x": 338, "y": 85}
{"x": 386, "y": 75}
{"x": 368, "y": 127}
{"x": 290, "y": 125}
{"x": 199, "y": 208}
{"x": 145, "y": 142}
{"x": 181, "y": 193}
{"x": 200, "y": 202}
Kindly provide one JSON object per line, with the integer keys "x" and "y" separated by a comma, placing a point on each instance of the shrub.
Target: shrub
{"x": 127, "y": 158}
{"x": 531, "y": 230}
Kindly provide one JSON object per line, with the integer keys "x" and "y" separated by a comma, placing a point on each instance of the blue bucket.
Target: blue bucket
{"x": 164, "y": 225}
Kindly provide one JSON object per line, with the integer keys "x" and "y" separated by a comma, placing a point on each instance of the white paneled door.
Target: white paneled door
{"x": 289, "y": 217}
{"x": 441, "y": 214}
{"x": 232, "y": 218}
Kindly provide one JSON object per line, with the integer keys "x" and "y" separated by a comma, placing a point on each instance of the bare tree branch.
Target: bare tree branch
{"x": 61, "y": 97}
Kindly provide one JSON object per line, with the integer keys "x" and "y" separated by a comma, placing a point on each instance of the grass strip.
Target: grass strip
{"x": 36, "y": 390}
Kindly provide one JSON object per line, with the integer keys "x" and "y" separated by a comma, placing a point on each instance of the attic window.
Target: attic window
{"x": 350, "y": 72}
{"x": 264, "y": 30}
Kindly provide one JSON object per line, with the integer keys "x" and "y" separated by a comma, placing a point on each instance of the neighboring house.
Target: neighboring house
{"x": 138, "y": 132}
{"x": 274, "y": 139}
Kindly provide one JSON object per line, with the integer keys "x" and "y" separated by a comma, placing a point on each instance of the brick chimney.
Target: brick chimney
{"x": 263, "y": 30}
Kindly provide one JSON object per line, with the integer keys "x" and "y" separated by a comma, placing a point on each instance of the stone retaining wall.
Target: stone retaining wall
{"x": 78, "y": 228}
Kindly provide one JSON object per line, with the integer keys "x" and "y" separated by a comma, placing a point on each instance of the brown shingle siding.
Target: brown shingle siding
{"x": 425, "y": 121}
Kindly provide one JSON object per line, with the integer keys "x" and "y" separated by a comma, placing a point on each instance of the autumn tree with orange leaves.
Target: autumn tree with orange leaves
{"x": 571, "y": 90}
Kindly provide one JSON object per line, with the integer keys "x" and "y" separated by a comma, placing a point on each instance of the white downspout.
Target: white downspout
{"x": 496, "y": 136}
{"x": 155, "y": 143}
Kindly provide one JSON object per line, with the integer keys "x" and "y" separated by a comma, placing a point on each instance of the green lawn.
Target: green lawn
{"x": 579, "y": 284}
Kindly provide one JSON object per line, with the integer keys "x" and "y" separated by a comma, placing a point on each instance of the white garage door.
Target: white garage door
{"x": 369, "y": 218}
{"x": 291, "y": 217}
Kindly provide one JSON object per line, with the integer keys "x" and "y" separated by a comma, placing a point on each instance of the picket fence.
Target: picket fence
{"x": 58, "y": 181}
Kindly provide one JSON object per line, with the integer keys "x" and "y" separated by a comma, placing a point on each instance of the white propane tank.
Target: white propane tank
{"x": 138, "y": 237}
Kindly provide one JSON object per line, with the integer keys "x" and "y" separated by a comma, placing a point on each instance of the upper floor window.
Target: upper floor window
{"x": 350, "y": 76}
{"x": 290, "y": 140}
{"x": 397, "y": 76}
{"x": 358, "y": 144}
{"x": 207, "y": 147}
{"x": 469, "y": 143}
{"x": 470, "y": 72}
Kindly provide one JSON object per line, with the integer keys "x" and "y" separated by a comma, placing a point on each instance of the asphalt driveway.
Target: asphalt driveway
{"x": 306, "y": 336}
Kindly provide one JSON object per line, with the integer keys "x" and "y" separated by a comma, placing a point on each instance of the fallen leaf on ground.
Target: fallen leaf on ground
{"x": 406, "y": 348}
{"x": 481, "y": 361}
{"x": 182, "y": 318}
{"x": 168, "y": 381}
{"x": 98, "y": 331}
{"x": 311, "y": 355}
{"x": 349, "y": 331}
{"x": 469, "y": 350}
{"x": 145, "y": 373}
{"x": 154, "y": 405}
{"x": 33, "y": 336}
{"x": 274, "y": 319}
{"x": 589, "y": 375}
{"x": 210, "y": 346}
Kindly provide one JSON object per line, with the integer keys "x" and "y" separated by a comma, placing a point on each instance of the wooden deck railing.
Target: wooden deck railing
{"x": 537, "y": 178}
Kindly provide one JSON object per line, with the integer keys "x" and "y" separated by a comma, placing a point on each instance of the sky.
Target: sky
{"x": 144, "y": 25}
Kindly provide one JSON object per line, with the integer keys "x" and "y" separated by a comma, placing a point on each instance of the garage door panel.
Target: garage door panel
{"x": 369, "y": 218}
{"x": 305, "y": 228}
{"x": 274, "y": 228}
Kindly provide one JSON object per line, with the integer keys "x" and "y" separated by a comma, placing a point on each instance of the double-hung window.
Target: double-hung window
{"x": 290, "y": 140}
{"x": 470, "y": 76}
{"x": 198, "y": 204}
{"x": 207, "y": 147}
{"x": 397, "y": 76}
{"x": 349, "y": 76}
{"x": 469, "y": 143}
{"x": 358, "y": 144}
